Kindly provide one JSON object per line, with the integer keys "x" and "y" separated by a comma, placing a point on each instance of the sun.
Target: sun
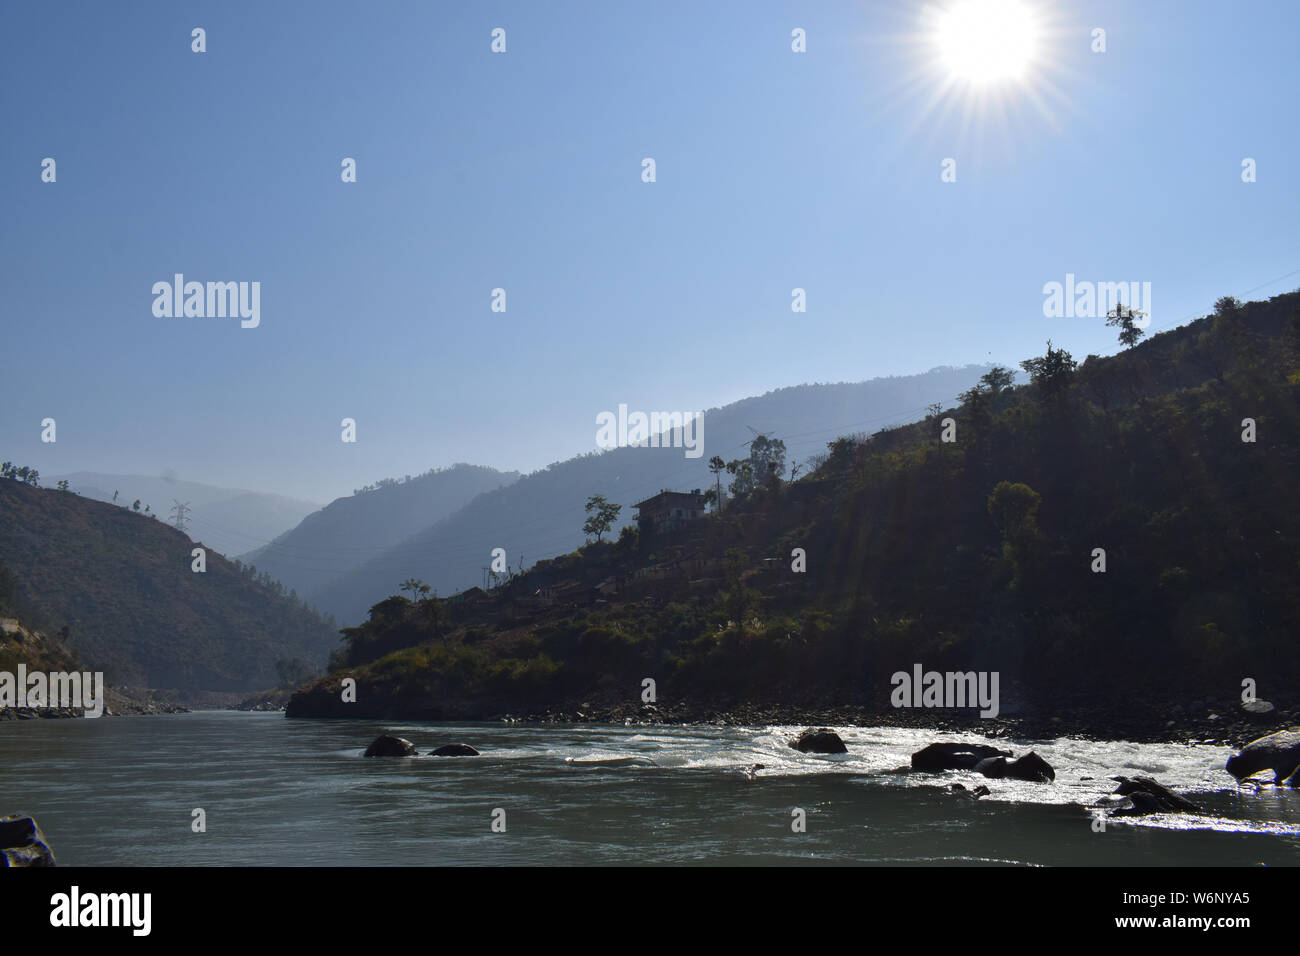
{"x": 986, "y": 41}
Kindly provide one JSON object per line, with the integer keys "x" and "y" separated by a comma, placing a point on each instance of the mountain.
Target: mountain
{"x": 118, "y": 588}
{"x": 1116, "y": 539}
{"x": 542, "y": 514}
{"x": 227, "y": 520}
{"x": 349, "y": 531}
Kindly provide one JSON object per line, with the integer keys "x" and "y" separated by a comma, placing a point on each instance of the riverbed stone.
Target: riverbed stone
{"x": 386, "y": 745}
{"x": 454, "y": 750}
{"x": 819, "y": 740}
{"x": 953, "y": 756}
{"x": 22, "y": 843}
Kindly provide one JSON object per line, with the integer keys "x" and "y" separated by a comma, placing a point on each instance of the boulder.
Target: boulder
{"x": 388, "y": 746}
{"x": 1150, "y": 796}
{"x": 454, "y": 750}
{"x": 821, "y": 740}
{"x": 953, "y": 756}
{"x": 1260, "y": 710}
{"x": 1279, "y": 752}
{"x": 22, "y": 843}
{"x": 1031, "y": 767}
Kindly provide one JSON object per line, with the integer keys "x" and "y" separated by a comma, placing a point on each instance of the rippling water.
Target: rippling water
{"x": 120, "y": 791}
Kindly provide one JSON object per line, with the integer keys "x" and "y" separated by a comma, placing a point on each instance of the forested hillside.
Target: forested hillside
{"x": 1119, "y": 529}
{"x": 118, "y": 588}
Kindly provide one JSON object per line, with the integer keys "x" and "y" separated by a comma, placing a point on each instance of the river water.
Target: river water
{"x": 122, "y": 791}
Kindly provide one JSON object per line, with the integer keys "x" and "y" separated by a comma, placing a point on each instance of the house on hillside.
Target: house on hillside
{"x": 471, "y": 596}
{"x": 668, "y": 509}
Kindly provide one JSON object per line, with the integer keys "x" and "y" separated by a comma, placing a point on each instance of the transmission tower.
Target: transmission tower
{"x": 179, "y": 516}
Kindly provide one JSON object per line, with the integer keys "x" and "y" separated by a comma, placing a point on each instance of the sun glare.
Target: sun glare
{"x": 986, "y": 41}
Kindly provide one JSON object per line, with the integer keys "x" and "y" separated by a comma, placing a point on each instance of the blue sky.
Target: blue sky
{"x": 522, "y": 170}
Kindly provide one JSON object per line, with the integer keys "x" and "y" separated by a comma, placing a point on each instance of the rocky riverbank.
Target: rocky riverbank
{"x": 116, "y": 704}
{"x": 1225, "y": 723}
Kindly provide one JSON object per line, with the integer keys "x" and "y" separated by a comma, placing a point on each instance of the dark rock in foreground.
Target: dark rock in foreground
{"x": 23, "y": 844}
{"x": 1279, "y": 752}
{"x": 1149, "y": 796}
{"x": 454, "y": 750}
{"x": 387, "y": 746}
{"x": 953, "y": 756}
{"x": 821, "y": 740}
{"x": 1030, "y": 767}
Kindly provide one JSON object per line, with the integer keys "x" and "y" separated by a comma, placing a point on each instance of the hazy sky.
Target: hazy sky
{"x": 523, "y": 170}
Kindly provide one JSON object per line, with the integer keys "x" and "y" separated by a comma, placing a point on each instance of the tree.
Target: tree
{"x": 841, "y": 452}
{"x": 1122, "y": 316}
{"x": 601, "y": 516}
{"x": 63, "y": 485}
{"x": 976, "y": 402}
{"x": 767, "y": 456}
{"x": 136, "y": 506}
{"x": 629, "y": 537}
{"x": 1227, "y": 308}
{"x": 998, "y": 379}
{"x": 8, "y": 587}
{"x": 717, "y": 466}
{"x": 1051, "y": 373}
{"x": 744, "y": 480}
{"x": 417, "y": 588}
{"x": 763, "y": 467}
{"x": 738, "y": 601}
{"x": 1014, "y": 506}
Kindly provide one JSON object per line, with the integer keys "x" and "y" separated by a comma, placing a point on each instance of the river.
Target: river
{"x": 122, "y": 791}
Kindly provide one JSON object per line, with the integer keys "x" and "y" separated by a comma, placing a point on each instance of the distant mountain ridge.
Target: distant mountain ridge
{"x": 349, "y": 531}
{"x": 541, "y": 514}
{"x": 228, "y": 520}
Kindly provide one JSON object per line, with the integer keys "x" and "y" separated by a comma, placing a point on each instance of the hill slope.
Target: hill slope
{"x": 349, "y": 531}
{"x": 230, "y": 520}
{"x": 122, "y": 584}
{"x": 980, "y": 554}
{"x": 541, "y": 515}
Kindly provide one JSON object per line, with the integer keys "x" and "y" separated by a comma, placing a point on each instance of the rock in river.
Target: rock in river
{"x": 954, "y": 756}
{"x": 454, "y": 750}
{"x": 1030, "y": 767}
{"x": 1279, "y": 752}
{"x": 22, "y": 843}
{"x": 821, "y": 740}
{"x": 388, "y": 746}
{"x": 1149, "y": 796}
